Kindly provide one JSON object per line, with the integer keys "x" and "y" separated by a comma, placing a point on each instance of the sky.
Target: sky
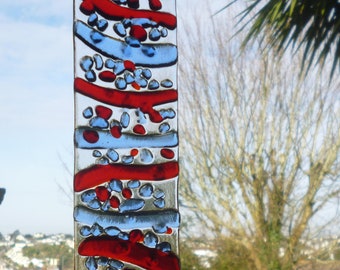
{"x": 36, "y": 112}
{"x": 36, "y": 105}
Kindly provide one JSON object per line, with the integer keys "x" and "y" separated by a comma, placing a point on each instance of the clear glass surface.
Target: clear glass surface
{"x": 126, "y": 138}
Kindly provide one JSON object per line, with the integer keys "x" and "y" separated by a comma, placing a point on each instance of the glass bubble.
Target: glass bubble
{"x": 86, "y": 63}
{"x": 127, "y": 159}
{"x": 142, "y": 82}
{"x": 166, "y": 83}
{"x": 164, "y": 32}
{"x": 90, "y": 76}
{"x": 96, "y": 230}
{"x": 146, "y": 190}
{"x": 93, "y": 18}
{"x": 88, "y": 195}
{"x": 109, "y": 63}
{"x": 88, "y": 112}
{"x": 116, "y": 264}
{"x": 103, "y": 261}
{"x": 153, "y": 85}
{"x": 120, "y": 83}
{"x": 154, "y": 34}
{"x": 112, "y": 231}
{"x": 158, "y": 194}
{"x": 150, "y": 239}
{"x": 116, "y": 185}
{"x": 85, "y": 231}
{"x": 119, "y": 29}
{"x": 98, "y": 60}
{"x": 133, "y": 42}
{"x": 106, "y": 206}
{"x": 128, "y": 77}
{"x": 159, "y": 203}
{"x": 125, "y": 120}
{"x": 94, "y": 204}
{"x": 123, "y": 236}
{"x": 163, "y": 128}
{"x": 146, "y": 156}
{"x": 103, "y": 161}
{"x": 146, "y": 73}
{"x": 91, "y": 263}
{"x": 112, "y": 154}
{"x": 131, "y": 205}
{"x": 164, "y": 246}
{"x": 169, "y": 113}
{"x": 98, "y": 122}
{"x": 126, "y": 22}
{"x": 102, "y": 24}
{"x": 133, "y": 184}
{"x": 159, "y": 228}
{"x": 96, "y": 153}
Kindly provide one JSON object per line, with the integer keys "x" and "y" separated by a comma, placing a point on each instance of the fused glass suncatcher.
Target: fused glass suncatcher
{"x": 126, "y": 141}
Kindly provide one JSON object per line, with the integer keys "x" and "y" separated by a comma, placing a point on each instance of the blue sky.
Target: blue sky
{"x": 36, "y": 105}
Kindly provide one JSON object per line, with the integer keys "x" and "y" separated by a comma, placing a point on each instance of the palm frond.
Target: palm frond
{"x": 309, "y": 25}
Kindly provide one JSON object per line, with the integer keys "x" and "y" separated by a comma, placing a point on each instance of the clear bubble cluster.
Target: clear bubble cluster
{"x": 134, "y": 28}
{"x": 121, "y": 73}
{"x": 122, "y": 196}
{"x": 137, "y": 29}
{"x": 100, "y": 119}
{"x": 92, "y": 263}
{"x": 143, "y": 156}
{"x": 149, "y": 239}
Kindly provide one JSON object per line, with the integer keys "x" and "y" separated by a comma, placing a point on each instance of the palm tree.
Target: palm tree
{"x": 310, "y": 25}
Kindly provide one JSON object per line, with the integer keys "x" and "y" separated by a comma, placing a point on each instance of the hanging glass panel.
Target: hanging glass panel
{"x": 126, "y": 140}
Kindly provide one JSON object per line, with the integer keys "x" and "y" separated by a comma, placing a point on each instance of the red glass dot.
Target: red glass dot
{"x": 155, "y": 4}
{"x": 102, "y": 193}
{"x": 116, "y": 131}
{"x": 127, "y": 193}
{"x": 169, "y": 231}
{"x": 134, "y": 152}
{"x": 136, "y": 236}
{"x": 107, "y": 76}
{"x": 139, "y": 129}
{"x": 135, "y": 85}
{"x": 87, "y": 7}
{"x": 138, "y": 32}
{"x": 91, "y": 136}
{"x": 129, "y": 65}
{"x": 114, "y": 202}
{"x": 103, "y": 112}
{"x": 167, "y": 153}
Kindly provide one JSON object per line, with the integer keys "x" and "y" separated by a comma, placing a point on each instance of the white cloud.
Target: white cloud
{"x": 38, "y": 10}
{"x": 37, "y": 66}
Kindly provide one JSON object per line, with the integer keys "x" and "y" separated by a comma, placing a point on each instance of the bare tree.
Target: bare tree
{"x": 259, "y": 149}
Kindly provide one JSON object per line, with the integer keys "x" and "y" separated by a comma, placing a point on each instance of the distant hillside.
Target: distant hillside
{"x": 38, "y": 251}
